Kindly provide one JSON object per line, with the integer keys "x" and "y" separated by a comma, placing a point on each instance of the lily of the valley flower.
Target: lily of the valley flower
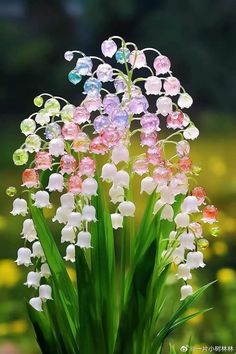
{"x": 29, "y": 233}
{"x": 33, "y": 280}
{"x": 117, "y": 220}
{"x": 56, "y": 182}
{"x": 186, "y": 290}
{"x": 127, "y": 208}
{"x": 84, "y": 239}
{"x": 70, "y": 253}
{"x": 19, "y": 207}
{"x": 195, "y": 260}
{"x": 24, "y": 256}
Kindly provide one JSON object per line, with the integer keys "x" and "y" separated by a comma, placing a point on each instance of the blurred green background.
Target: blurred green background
{"x": 199, "y": 37}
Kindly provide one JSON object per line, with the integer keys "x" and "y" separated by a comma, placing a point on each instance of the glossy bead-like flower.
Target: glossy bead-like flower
{"x": 185, "y": 100}
{"x": 84, "y": 66}
{"x": 195, "y": 260}
{"x": 161, "y": 64}
{"x": 67, "y": 113}
{"x": 20, "y": 157}
{"x": 110, "y": 102}
{"x": 43, "y": 160}
{"x": 186, "y": 290}
{"x": 87, "y": 166}
{"x": 74, "y": 184}
{"x": 210, "y": 213}
{"x": 153, "y": 85}
{"x": 81, "y": 115}
{"x": 33, "y": 280}
{"x": 74, "y": 77}
{"x": 185, "y": 164}
{"x": 196, "y": 228}
{"x": 138, "y": 104}
{"x": 108, "y": 48}
{"x": 19, "y": 207}
{"x": 52, "y": 106}
{"x": 70, "y": 253}
{"x": 84, "y": 239}
{"x": 140, "y": 166}
{"x": 28, "y": 126}
{"x": 171, "y": 86}
{"x": 24, "y": 257}
{"x": 33, "y": 143}
{"x": 92, "y": 86}
{"x": 120, "y": 153}
{"x": 191, "y": 133}
{"x": 56, "y": 182}
{"x": 42, "y": 117}
{"x": 200, "y": 194}
{"x": 164, "y": 105}
{"x": 120, "y": 84}
{"x": 120, "y": 118}
{"x": 68, "y": 234}
{"x": 149, "y": 123}
{"x": 45, "y": 292}
{"x": 28, "y": 231}
{"x": 127, "y": 208}
{"x": 70, "y": 131}
{"x": 68, "y": 164}
{"x": 111, "y": 136}
{"x": 122, "y": 55}
{"x": 100, "y": 123}
{"x": 30, "y": 178}
{"x": 137, "y": 59}
{"x": 57, "y": 147}
{"x": 81, "y": 142}
{"x": 175, "y": 120}
{"x": 104, "y": 72}
{"x": 92, "y": 103}
{"x": 148, "y": 139}
{"x": 89, "y": 187}
{"x": 98, "y": 146}
{"x": 154, "y": 155}
{"x": 116, "y": 220}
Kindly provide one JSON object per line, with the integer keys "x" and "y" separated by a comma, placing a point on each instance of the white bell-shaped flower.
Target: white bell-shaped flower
{"x": 185, "y": 100}
{"x": 56, "y": 182}
{"x": 89, "y": 187}
{"x": 19, "y": 207}
{"x": 177, "y": 255}
{"x": 45, "y": 292}
{"x": 172, "y": 235}
{"x": 122, "y": 179}
{"x": 42, "y": 117}
{"x": 68, "y": 201}
{"x": 70, "y": 253}
{"x": 109, "y": 171}
{"x": 117, "y": 220}
{"x": 190, "y": 205}
{"x": 120, "y": 153}
{"x": 195, "y": 260}
{"x": 89, "y": 213}
{"x": 84, "y": 239}
{"x": 62, "y": 215}
{"x": 74, "y": 219}
{"x": 167, "y": 195}
{"x": 36, "y": 303}
{"x": 24, "y": 256}
{"x": 179, "y": 184}
{"x": 57, "y": 147}
{"x": 157, "y": 206}
{"x": 41, "y": 199}
{"x": 182, "y": 148}
{"x": 148, "y": 185}
{"x": 37, "y": 250}
{"x": 186, "y": 290}
{"x": 45, "y": 270}
{"x": 28, "y": 231}
{"x": 167, "y": 213}
{"x": 183, "y": 272}
{"x": 33, "y": 280}
{"x": 182, "y": 220}
{"x": 68, "y": 234}
{"x": 117, "y": 194}
{"x": 187, "y": 240}
{"x": 127, "y": 208}
{"x": 191, "y": 133}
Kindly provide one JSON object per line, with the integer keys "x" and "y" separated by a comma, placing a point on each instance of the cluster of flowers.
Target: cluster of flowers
{"x": 70, "y": 153}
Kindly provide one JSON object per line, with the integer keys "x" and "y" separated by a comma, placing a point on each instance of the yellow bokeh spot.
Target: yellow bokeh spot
{"x": 217, "y": 166}
{"x": 219, "y": 248}
{"x": 9, "y": 273}
{"x": 3, "y": 223}
{"x": 72, "y": 274}
{"x": 226, "y": 275}
{"x": 229, "y": 224}
{"x": 195, "y": 320}
{"x": 18, "y": 326}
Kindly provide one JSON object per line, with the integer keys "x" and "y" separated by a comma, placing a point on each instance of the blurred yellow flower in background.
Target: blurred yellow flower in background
{"x": 9, "y": 273}
{"x": 13, "y": 327}
{"x": 219, "y": 248}
{"x": 218, "y": 166}
{"x": 226, "y": 275}
{"x": 3, "y": 222}
{"x": 195, "y": 320}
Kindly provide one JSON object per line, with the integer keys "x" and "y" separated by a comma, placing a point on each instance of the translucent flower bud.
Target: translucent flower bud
{"x": 99, "y": 146}
{"x": 42, "y": 117}
{"x": 177, "y": 255}
{"x": 196, "y": 228}
{"x": 120, "y": 84}
{"x": 56, "y": 147}
{"x": 84, "y": 66}
{"x": 109, "y": 171}
{"x": 69, "y": 55}
{"x": 202, "y": 243}
{"x": 120, "y": 153}
{"x": 182, "y": 220}
{"x": 122, "y": 179}
{"x": 45, "y": 271}
{"x": 186, "y": 290}
{"x": 191, "y": 133}
{"x": 183, "y": 272}
{"x": 148, "y": 185}
{"x": 38, "y": 101}
{"x": 68, "y": 234}
{"x": 149, "y": 123}
{"x": 29, "y": 233}
{"x": 167, "y": 213}
{"x": 182, "y": 148}
{"x": 110, "y": 103}
{"x": 92, "y": 86}
{"x": 75, "y": 219}
{"x": 19, "y": 207}
{"x": 167, "y": 196}
{"x": 161, "y": 64}
{"x": 43, "y": 160}
{"x": 68, "y": 164}
{"x": 164, "y": 105}
{"x": 20, "y": 157}
{"x": 89, "y": 213}
{"x": 140, "y": 166}
{"x": 81, "y": 143}
{"x": 117, "y": 220}
{"x": 172, "y": 235}
{"x": 24, "y": 256}
{"x": 30, "y": 178}
{"x": 52, "y": 106}
{"x": 116, "y": 194}
{"x": 67, "y": 201}
{"x": 41, "y": 199}
{"x": 33, "y": 143}
{"x": 36, "y": 303}
{"x": 137, "y": 59}
{"x": 108, "y": 48}
{"x": 187, "y": 240}
{"x": 81, "y": 115}
{"x": 52, "y": 131}
{"x": 45, "y": 292}
{"x": 11, "y": 191}
{"x": 92, "y": 103}
{"x": 87, "y": 166}
{"x": 33, "y": 280}
{"x": 74, "y": 77}
{"x": 190, "y": 205}
{"x": 28, "y": 126}
{"x": 185, "y": 100}
{"x": 74, "y": 184}
{"x": 104, "y": 72}
{"x": 210, "y": 213}
{"x": 153, "y": 85}
{"x": 37, "y": 250}
{"x": 175, "y": 120}
{"x": 62, "y": 215}
{"x": 89, "y": 187}
{"x": 122, "y": 55}
{"x": 70, "y": 253}
{"x": 126, "y": 208}
{"x": 195, "y": 260}
{"x": 100, "y": 123}
{"x": 56, "y": 182}
{"x": 120, "y": 118}
{"x": 84, "y": 239}
{"x": 200, "y": 194}
{"x": 70, "y": 130}
{"x": 171, "y": 86}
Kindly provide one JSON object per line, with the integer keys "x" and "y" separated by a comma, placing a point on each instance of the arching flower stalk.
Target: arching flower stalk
{"x": 129, "y": 136}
